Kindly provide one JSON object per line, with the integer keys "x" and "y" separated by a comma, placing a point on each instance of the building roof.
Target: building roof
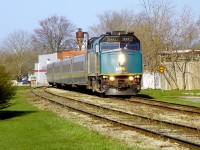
{"x": 187, "y": 51}
{"x": 71, "y": 53}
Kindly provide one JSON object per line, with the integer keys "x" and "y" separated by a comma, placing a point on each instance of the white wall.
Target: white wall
{"x": 151, "y": 81}
{"x": 41, "y": 67}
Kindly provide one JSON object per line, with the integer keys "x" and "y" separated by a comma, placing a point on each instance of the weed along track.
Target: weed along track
{"x": 127, "y": 115}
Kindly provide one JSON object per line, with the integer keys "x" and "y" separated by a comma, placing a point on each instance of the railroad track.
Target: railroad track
{"x": 184, "y": 134}
{"x": 177, "y": 107}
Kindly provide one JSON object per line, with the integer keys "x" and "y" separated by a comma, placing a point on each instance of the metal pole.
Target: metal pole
{"x": 87, "y": 55}
{"x": 161, "y": 82}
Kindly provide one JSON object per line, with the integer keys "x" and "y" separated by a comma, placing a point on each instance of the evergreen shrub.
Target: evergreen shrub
{"x": 7, "y": 90}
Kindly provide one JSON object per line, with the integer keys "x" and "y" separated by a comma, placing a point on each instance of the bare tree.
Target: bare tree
{"x": 17, "y": 41}
{"x": 54, "y": 34}
{"x": 152, "y": 26}
{"x": 18, "y": 57}
{"x": 182, "y": 37}
{"x": 113, "y": 21}
{"x": 197, "y": 45}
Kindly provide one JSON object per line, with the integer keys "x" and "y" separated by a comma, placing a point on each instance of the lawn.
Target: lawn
{"x": 173, "y": 96}
{"x": 24, "y": 127}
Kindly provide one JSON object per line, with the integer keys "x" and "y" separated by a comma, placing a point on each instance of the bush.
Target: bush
{"x": 7, "y": 90}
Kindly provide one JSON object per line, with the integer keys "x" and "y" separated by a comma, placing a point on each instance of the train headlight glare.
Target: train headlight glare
{"x": 112, "y": 78}
{"x": 121, "y": 59}
{"x": 130, "y": 78}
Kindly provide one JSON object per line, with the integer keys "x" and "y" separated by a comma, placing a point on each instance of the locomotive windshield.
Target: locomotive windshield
{"x": 116, "y": 42}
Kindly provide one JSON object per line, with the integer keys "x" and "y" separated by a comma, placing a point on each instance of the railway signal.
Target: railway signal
{"x": 161, "y": 69}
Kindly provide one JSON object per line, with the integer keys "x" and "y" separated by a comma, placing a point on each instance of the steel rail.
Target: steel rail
{"x": 182, "y": 108}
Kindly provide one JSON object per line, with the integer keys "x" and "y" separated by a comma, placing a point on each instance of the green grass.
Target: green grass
{"x": 24, "y": 127}
{"x": 173, "y": 96}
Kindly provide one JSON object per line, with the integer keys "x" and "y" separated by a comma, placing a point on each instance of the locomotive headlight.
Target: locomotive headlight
{"x": 121, "y": 59}
{"x": 130, "y": 78}
{"x": 111, "y": 78}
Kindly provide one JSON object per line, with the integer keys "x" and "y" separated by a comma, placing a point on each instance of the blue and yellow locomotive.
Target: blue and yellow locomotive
{"x": 112, "y": 65}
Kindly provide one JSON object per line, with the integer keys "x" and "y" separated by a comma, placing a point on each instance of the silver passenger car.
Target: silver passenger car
{"x": 69, "y": 71}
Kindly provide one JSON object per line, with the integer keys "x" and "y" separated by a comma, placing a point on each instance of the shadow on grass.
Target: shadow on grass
{"x": 145, "y": 96}
{"x": 8, "y": 114}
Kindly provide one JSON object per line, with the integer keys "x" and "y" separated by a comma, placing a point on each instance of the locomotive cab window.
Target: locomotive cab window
{"x": 130, "y": 46}
{"x": 115, "y": 42}
{"x": 109, "y": 46}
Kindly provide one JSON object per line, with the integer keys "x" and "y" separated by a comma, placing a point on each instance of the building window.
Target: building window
{"x": 48, "y": 61}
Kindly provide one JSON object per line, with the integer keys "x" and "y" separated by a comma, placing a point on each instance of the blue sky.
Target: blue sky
{"x": 25, "y": 14}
